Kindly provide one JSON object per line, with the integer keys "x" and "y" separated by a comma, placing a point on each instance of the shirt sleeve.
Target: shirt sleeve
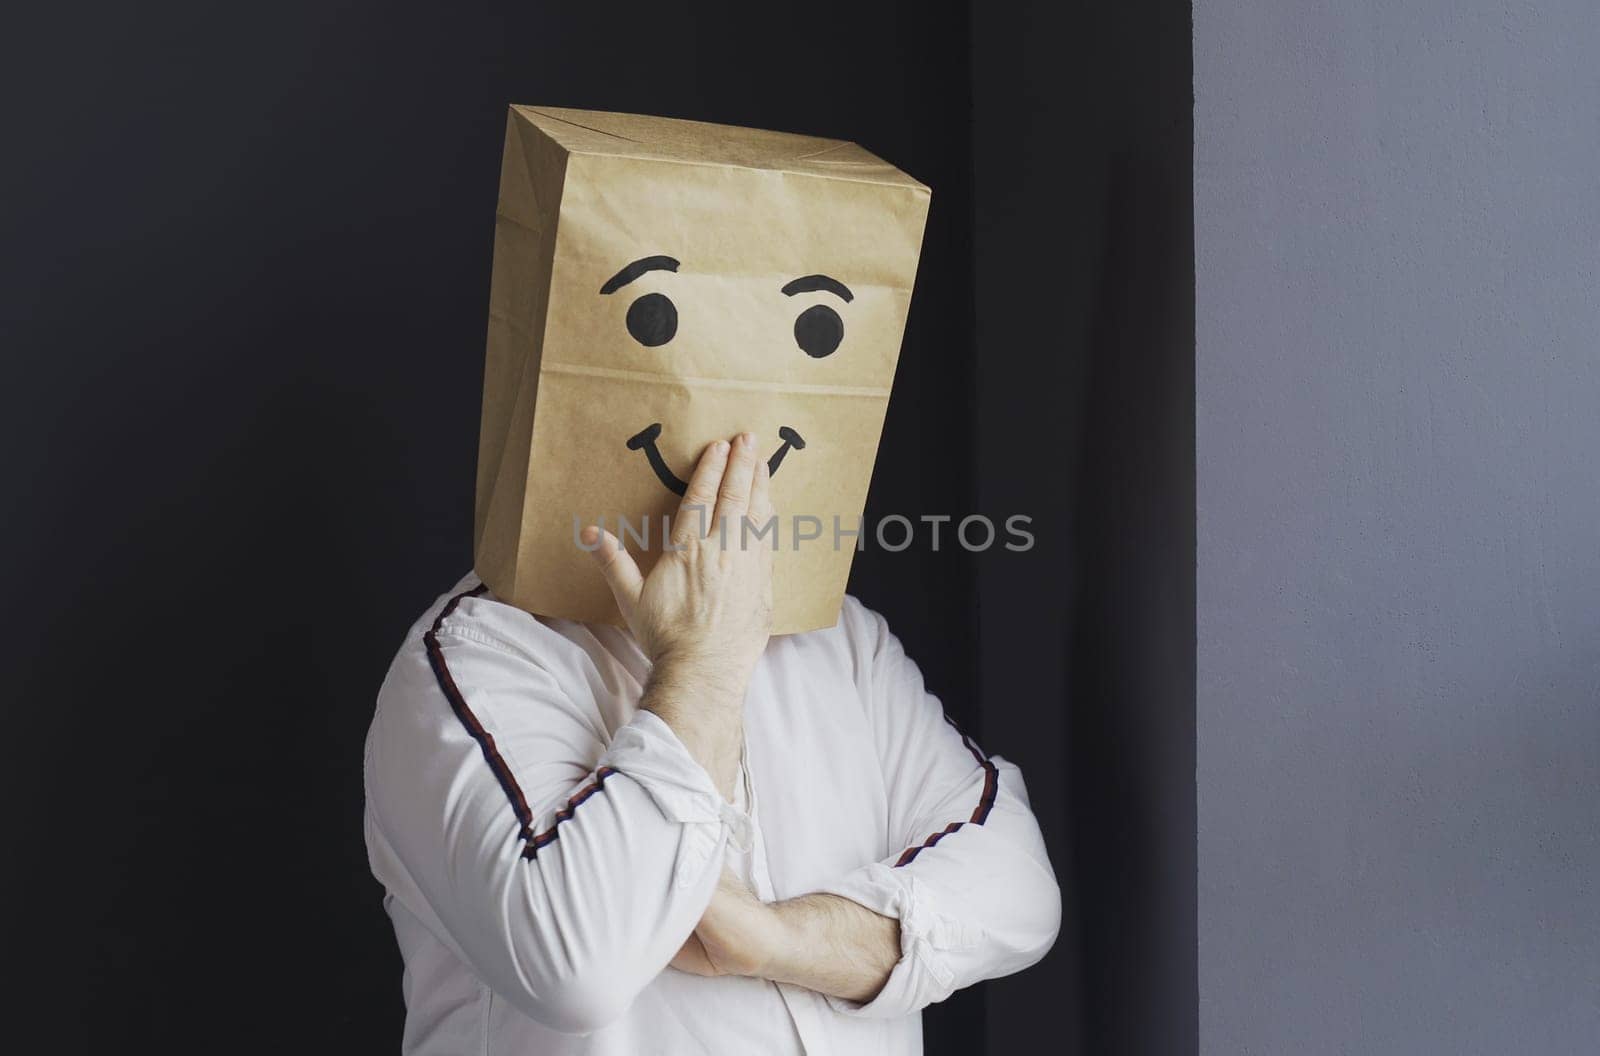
{"x": 969, "y": 880}
{"x": 564, "y": 870}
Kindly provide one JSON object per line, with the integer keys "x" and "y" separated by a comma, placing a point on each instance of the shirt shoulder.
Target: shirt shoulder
{"x": 862, "y": 630}
{"x": 469, "y": 611}
{"x": 476, "y": 677}
{"x": 848, "y": 650}
{"x": 860, "y": 621}
{"x": 473, "y": 641}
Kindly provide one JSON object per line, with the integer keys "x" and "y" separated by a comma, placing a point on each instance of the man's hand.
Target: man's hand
{"x": 821, "y": 942}
{"x": 708, "y": 601}
{"x": 738, "y": 935}
{"x": 704, "y": 614}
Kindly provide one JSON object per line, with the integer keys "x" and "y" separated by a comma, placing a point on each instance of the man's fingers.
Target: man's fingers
{"x": 733, "y": 497}
{"x": 761, "y": 494}
{"x": 760, "y": 531}
{"x": 617, "y": 565}
{"x": 691, "y": 957}
{"x": 694, "y": 512}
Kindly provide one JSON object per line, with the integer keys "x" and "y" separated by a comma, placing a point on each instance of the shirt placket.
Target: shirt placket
{"x": 801, "y": 1003}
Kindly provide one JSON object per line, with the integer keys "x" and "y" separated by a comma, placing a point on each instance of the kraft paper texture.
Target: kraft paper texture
{"x": 707, "y": 335}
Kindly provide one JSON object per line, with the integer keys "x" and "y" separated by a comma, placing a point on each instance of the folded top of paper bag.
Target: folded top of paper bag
{"x": 704, "y": 143}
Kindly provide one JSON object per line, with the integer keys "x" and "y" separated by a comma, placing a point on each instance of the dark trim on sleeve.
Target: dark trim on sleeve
{"x": 491, "y": 753}
{"x": 980, "y": 813}
{"x": 549, "y": 835}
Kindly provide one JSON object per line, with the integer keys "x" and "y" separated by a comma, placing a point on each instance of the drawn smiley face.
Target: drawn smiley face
{"x": 652, "y": 321}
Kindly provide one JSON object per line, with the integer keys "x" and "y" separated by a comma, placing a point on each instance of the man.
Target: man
{"x": 690, "y": 838}
{"x": 692, "y": 835}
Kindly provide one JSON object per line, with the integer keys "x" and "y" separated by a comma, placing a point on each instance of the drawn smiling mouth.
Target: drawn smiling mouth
{"x": 645, "y": 440}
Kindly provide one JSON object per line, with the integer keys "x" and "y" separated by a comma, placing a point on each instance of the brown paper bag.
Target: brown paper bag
{"x": 660, "y": 284}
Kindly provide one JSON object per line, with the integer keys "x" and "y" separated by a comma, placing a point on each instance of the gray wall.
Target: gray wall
{"x": 1397, "y": 212}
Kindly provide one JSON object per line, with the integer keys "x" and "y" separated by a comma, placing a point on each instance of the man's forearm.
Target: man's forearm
{"x": 834, "y": 946}
{"x": 707, "y": 717}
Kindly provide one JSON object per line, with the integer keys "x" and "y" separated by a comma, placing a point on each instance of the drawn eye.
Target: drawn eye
{"x": 652, "y": 320}
{"x": 818, "y": 331}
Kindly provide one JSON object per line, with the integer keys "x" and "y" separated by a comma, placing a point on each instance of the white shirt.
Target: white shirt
{"x": 546, "y": 846}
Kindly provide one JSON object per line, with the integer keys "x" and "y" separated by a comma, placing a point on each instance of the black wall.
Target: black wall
{"x": 246, "y": 269}
{"x": 1085, "y": 419}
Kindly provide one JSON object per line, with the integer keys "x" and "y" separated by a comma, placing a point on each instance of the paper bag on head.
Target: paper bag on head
{"x": 661, "y": 284}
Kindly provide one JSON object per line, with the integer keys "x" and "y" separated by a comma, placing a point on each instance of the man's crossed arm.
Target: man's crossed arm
{"x": 822, "y": 942}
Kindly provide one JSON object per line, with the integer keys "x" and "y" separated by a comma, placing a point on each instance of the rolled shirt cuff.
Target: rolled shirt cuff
{"x": 647, "y": 752}
{"x": 929, "y": 937}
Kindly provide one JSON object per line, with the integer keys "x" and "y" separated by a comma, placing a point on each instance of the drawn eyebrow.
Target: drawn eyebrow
{"x": 637, "y": 268}
{"x": 813, "y": 283}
